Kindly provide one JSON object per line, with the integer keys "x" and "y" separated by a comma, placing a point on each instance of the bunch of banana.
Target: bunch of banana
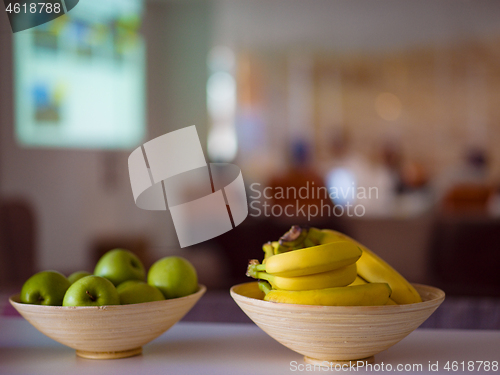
{"x": 325, "y": 267}
{"x": 319, "y": 274}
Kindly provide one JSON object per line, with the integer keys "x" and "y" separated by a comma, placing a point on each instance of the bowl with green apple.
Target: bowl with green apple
{"x": 112, "y": 312}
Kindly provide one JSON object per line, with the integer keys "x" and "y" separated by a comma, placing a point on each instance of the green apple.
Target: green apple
{"x": 174, "y": 276}
{"x": 45, "y": 288}
{"x": 127, "y": 283}
{"x": 75, "y": 276}
{"x": 134, "y": 291}
{"x": 91, "y": 291}
{"x": 120, "y": 265}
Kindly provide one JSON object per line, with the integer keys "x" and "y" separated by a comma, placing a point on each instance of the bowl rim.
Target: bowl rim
{"x": 276, "y": 305}
{"x": 15, "y": 302}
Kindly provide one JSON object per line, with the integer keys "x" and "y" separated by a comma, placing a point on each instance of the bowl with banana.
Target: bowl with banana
{"x": 331, "y": 299}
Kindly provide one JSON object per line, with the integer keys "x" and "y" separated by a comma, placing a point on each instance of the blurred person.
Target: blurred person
{"x": 414, "y": 176}
{"x": 409, "y": 175}
{"x": 345, "y": 168}
{"x": 370, "y": 181}
{"x": 392, "y": 160}
{"x": 300, "y": 184}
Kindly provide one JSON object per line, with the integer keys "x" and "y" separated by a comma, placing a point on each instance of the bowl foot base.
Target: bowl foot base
{"x": 109, "y": 355}
{"x": 339, "y": 364}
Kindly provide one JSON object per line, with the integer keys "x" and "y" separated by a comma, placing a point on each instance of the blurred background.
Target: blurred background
{"x": 392, "y": 104}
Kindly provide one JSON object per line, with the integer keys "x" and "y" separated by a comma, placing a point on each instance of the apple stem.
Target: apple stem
{"x": 90, "y": 295}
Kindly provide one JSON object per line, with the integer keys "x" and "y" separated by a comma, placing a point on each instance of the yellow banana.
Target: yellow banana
{"x": 390, "y": 301}
{"x": 330, "y": 279}
{"x": 360, "y": 281}
{"x": 372, "y": 294}
{"x": 375, "y": 270}
{"x": 311, "y": 260}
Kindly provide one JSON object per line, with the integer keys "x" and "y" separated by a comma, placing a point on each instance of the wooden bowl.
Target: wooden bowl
{"x": 336, "y": 334}
{"x": 107, "y": 332}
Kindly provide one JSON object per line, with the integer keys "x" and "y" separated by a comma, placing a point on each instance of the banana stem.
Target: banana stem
{"x": 280, "y": 249}
{"x": 268, "y": 250}
{"x": 314, "y": 237}
{"x": 254, "y": 267}
{"x": 309, "y": 243}
{"x": 265, "y": 276}
{"x": 264, "y": 286}
{"x": 292, "y": 240}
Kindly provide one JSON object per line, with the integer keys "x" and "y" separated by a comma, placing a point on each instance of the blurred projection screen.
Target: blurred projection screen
{"x": 80, "y": 79}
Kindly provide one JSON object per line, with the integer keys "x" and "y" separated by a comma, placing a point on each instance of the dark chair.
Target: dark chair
{"x": 465, "y": 253}
{"x": 467, "y": 198}
{"x": 17, "y": 242}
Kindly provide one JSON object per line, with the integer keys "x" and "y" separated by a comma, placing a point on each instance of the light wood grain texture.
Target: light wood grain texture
{"x": 105, "y": 332}
{"x": 336, "y": 333}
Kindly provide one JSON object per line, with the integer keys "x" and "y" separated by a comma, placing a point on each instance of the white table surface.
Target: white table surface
{"x": 216, "y": 348}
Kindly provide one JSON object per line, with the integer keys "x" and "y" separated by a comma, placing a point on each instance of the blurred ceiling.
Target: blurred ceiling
{"x": 348, "y": 25}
